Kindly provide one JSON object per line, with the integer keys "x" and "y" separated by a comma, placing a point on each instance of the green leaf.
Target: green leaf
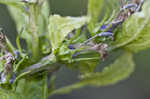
{"x": 119, "y": 70}
{"x": 43, "y": 17}
{"x": 142, "y": 41}
{"x": 8, "y": 94}
{"x": 59, "y": 28}
{"x": 29, "y": 89}
{"x": 134, "y": 31}
{"x": 94, "y": 8}
{"x": 45, "y": 9}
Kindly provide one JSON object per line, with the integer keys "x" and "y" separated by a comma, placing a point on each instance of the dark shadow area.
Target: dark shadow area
{"x": 7, "y": 24}
{"x": 69, "y": 7}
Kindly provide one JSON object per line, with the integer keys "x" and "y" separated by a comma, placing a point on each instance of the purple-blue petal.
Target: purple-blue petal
{"x": 71, "y": 47}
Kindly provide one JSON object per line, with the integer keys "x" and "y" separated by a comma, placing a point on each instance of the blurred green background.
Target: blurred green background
{"x": 135, "y": 87}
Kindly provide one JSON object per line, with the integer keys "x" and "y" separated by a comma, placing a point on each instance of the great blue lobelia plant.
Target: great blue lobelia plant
{"x": 78, "y": 43}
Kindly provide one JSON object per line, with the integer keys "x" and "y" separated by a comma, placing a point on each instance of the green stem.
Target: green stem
{"x": 19, "y": 64}
{"x": 34, "y": 29}
{"x": 18, "y": 40}
{"x": 45, "y": 86}
{"x": 10, "y": 47}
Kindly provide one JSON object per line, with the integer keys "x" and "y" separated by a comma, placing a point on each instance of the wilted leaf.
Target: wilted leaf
{"x": 59, "y": 28}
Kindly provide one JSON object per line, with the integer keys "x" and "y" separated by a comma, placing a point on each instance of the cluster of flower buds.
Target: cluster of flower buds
{"x": 8, "y": 66}
{"x": 128, "y": 9}
{"x": 125, "y": 12}
{"x": 8, "y": 59}
{"x": 107, "y": 30}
